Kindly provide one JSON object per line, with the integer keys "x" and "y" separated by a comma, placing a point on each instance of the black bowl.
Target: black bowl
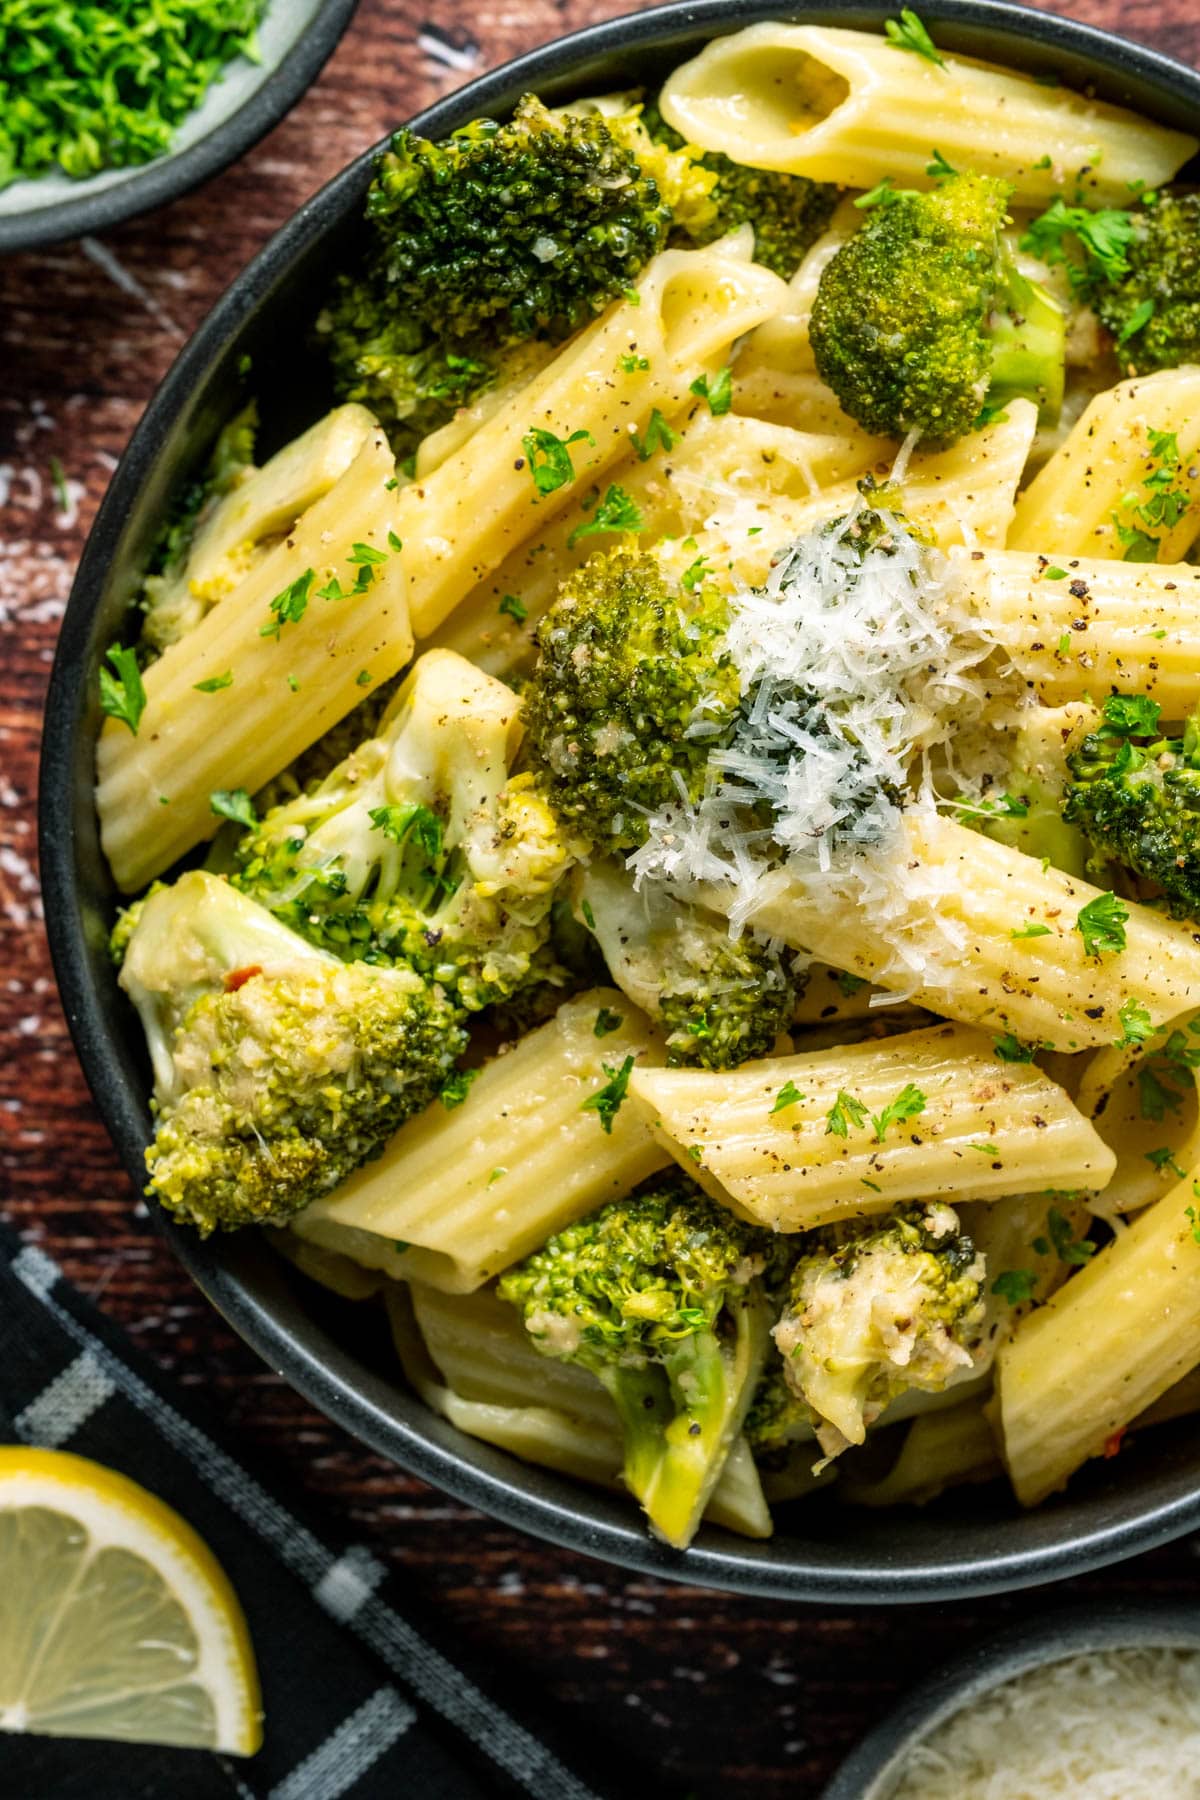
{"x": 873, "y": 1770}
{"x": 297, "y": 37}
{"x": 971, "y": 1544}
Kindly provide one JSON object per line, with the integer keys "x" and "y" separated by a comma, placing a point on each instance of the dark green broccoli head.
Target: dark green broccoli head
{"x": 722, "y": 1002}
{"x": 498, "y": 235}
{"x": 921, "y": 315}
{"x": 877, "y": 1307}
{"x": 278, "y": 1069}
{"x": 1136, "y": 796}
{"x": 626, "y": 664}
{"x": 1152, "y": 308}
{"x": 658, "y": 1296}
{"x": 788, "y": 212}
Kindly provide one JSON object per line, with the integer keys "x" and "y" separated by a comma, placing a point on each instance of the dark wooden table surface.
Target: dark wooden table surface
{"x": 742, "y": 1697}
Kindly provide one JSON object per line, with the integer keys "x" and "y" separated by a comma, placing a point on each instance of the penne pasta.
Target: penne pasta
{"x": 1114, "y": 460}
{"x": 459, "y": 1195}
{"x": 847, "y": 106}
{"x": 1108, "y": 1345}
{"x": 484, "y": 500}
{"x": 295, "y": 661}
{"x": 948, "y": 935}
{"x": 1100, "y": 627}
{"x": 1144, "y": 1104}
{"x": 940, "y": 1450}
{"x": 800, "y": 1141}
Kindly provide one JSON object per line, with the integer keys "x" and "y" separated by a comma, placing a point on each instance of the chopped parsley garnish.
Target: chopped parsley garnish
{"x": 1104, "y": 236}
{"x": 985, "y": 1149}
{"x": 607, "y": 1021}
{"x": 215, "y": 683}
{"x": 409, "y": 820}
{"x": 1191, "y": 1215}
{"x": 1054, "y": 574}
{"x": 1101, "y": 925}
{"x": 631, "y": 362}
{"x": 496, "y": 1175}
{"x": 1130, "y": 715}
{"x": 235, "y": 804}
{"x": 1015, "y": 1285}
{"x": 939, "y": 168}
{"x": 851, "y": 984}
{"x": 1137, "y": 321}
{"x": 1010, "y": 1049}
{"x": 549, "y": 457}
{"x": 909, "y": 1102}
{"x": 394, "y": 543}
{"x": 1143, "y": 518}
{"x": 788, "y": 1095}
{"x": 589, "y": 917}
{"x": 695, "y": 574}
{"x": 122, "y": 695}
{"x": 606, "y": 1101}
{"x": 363, "y": 553}
{"x": 844, "y": 1112}
{"x": 1061, "y": 1240}
{"x": 659, "y": 436}
{"x": 718, "y": 392}
{"x": 880, "y": 195}
{"x": 1030, "y": 931}
{"x": 908, "y": 33}
{"x": 1136, "y": 1025}
{"x": 1164, "y": 1158}
{"x": 618, "y": 511}
{"x": 457, "y": 1088}
{"x": 363, "y": 678}
{"x": 514, "y": 609}
{"x": 289, "y": 606}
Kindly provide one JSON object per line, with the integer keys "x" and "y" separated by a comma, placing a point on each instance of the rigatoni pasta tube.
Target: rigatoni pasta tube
{"x": 1117, "y": 1336}
{"x": 798, "y": 1141}
{"x": 938, "y": 925}
{"x": 294, "y": 671}
{"x": 849, "y": 107}
{"x": 474, "y": 1363}
{"x": 483, "y": 501}
{"x": 459, "y": 1195}
{"x": 941, "y": 1450}
{"x": 1100, "y": 626}
{"x": 1144, "y": 1103}
{"x": 1090, "y": 489}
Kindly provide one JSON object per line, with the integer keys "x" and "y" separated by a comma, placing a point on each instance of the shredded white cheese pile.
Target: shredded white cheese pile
{"x": 859, "y": 661}
{"x": 1111, "y": 1725}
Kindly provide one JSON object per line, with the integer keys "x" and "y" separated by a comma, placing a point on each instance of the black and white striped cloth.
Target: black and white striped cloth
{"x": 358, "y": 1697}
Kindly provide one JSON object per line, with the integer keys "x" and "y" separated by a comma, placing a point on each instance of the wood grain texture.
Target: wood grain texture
{"x": 740, "y": 1697}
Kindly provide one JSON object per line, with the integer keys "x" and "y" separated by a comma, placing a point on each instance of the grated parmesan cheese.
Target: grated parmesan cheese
{"x": 858, "y": 662}
{"x": 1108, "y": 1725}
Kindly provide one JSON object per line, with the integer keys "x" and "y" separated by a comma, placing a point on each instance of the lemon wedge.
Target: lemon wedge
{"x": 116, "y": 1621}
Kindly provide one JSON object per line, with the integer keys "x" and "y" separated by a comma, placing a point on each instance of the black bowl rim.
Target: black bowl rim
{"x": 173, "y": 174}
{"x": 564, "y": 1512}
{"x": 872, "y": 1768}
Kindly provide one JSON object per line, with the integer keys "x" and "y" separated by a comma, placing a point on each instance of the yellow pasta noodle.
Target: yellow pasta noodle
{"x": 1107, "y": 1346}
{"x": 795, "y": 1142}
{"x": 295, "y": 672}
{"x": 459, "y": 1195}
{"x": 482, "y": 502}
{"x": 1089, "y": 490}
{"x": 849, "y": 107}
{"x": 942, "y": 933}
{"x": 941, "y": 1449}
{"x": 470, "y": 1359}
{"x": 1144, "y": 1104}
{"x": 1101, "y": 626}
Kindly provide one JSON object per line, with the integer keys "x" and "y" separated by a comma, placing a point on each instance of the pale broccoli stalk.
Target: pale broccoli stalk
{"x": 658, "y": 1295}
{"x": 420, "y": 847}
{"x": 876, "y": 1308}
{"x": 1022, "y": 804}
{"x": 278, "y": 1069}
{"x": 719, "y": 1001}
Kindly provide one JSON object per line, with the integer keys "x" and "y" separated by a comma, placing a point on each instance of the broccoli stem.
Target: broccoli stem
{"x": 642, "y": 1397}
{"x": 712, "y": 1382}
{"x": 1026, "y": 335}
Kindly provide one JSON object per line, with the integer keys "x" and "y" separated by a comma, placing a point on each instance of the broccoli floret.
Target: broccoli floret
{"x": 420, "y": 847}
{"x": 278, "y": 1069}
{"x": 496, "y": 236}
{"x": 778, "y": 1416}
{"x": 1022, "y": 805}
{"x": 627, "y": 662}
{"x": 922, "y": 316}
{"x": 1136, "y": 795}
{"x": 877, "y": 1307}
{"x": 719, "y": 1001}
{"x": 658, "y": 1296}
{"x": 1153, "y": 311}
{"x": 788, "y": 212}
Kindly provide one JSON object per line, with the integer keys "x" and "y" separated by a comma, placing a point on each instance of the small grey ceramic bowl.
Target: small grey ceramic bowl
{"x": 874, "y": 1770}
{"x": 296, "y": 39}
{"x": 973, "y": 1541}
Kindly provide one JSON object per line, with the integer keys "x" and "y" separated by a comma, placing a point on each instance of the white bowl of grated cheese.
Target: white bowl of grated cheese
{"x": 1092, "y": 1704}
